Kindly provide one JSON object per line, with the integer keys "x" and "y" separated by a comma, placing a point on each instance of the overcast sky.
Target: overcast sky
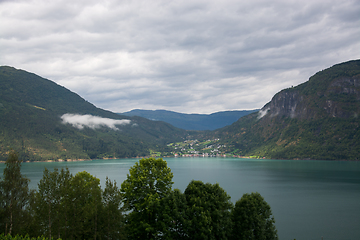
{"x": 186, "y": 56}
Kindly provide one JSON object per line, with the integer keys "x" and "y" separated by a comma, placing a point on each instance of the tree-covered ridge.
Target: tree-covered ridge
{"x": 19, "y": 86}
{"x": 67, "y": 206}
{"x": 318, "y": 119}
{"x": 192, "y": 121}
{"x": 30, "y": 122}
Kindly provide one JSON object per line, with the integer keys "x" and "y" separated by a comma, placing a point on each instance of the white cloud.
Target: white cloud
{"x": 188, "y": 56}
{"x": 81, "y": 121}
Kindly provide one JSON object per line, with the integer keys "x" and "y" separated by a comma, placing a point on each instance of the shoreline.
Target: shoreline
{"x": 190, "y": 156}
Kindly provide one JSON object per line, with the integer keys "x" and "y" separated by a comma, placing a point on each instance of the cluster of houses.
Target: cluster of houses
{"x": 194, "y": 148}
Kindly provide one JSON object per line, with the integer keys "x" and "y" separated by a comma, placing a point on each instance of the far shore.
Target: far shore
{"x": 185, "y": 156}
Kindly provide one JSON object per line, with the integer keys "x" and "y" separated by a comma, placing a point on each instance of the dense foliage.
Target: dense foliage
{"x": 208, "y": 211}
{"x": 149, "y": 181}
{"x": 14, "y": 197}
{"x": 64, "y": 206}
{"x": 252, "y": 218}
{"x": 20, "y": 237}
{"x": 70, "y": 206}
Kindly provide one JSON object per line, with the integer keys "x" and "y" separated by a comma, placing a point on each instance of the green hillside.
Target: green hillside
{"x": 318, "y": 119}
{"x": 31, "y": 108}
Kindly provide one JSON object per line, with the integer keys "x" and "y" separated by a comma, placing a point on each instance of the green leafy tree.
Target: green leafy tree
{"x": 209, "y": 211}
{"x": 83, "y": 206}
{"x": 64, "y": 178}
{"x": 14, "y": 197}
{"x": 149, "y": 181}
{"x": 112, "y": 219}
{"x": 173, "y": 222}
{"x": 252, "y": 219}
{"x": 68, "y": 206}
{"x": 49, "y": 205}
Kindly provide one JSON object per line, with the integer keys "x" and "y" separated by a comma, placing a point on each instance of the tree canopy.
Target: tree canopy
{"x": 209, "y": 209}
{"x": 67, "y": 206}
{"x": 14, "y": 196}
{"x": 70, "y": 206}
{"x": 173, "y": 221}
{"x": 149, "y": 181}
{"x": 252, "y": 219}
{"x": 49, "y": 204}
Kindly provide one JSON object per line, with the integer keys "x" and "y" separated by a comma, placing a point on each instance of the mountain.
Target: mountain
{"x": 318, "y": 119}
{"x": 191, "y": 121}
{"x": 43, "y": 121}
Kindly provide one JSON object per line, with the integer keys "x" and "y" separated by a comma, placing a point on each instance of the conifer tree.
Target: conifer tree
{"x": 49, "y": 206}
{"x": 112, "y": 219}
{"x": 14, "y": 196}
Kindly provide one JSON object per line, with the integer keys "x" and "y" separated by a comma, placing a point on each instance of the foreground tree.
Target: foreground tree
{"x": 49, "y": 205}
{"x": 173, "y": 222}
{"x": 252, "y": 219}
{"x": 75, "y": 207}
{"x": 83, "y": 206}
{"x": 112, "y": 220}
{"x": 149, "y": 181}
{"x": 14, "y": 197}
{"x": 209, "y": 211}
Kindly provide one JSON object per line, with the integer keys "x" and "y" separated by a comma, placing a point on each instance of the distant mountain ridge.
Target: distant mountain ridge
{"x": 319, "y": 119}
{"x": 192, "y": 121}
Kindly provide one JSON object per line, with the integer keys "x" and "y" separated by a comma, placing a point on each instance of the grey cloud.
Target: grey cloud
{"x": 187, "y": 56}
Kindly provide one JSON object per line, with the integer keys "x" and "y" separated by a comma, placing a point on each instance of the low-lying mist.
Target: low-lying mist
{"x": 87, "y": 120}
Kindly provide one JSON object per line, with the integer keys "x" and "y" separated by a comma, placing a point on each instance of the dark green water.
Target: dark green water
{"x": 309, "y": 199}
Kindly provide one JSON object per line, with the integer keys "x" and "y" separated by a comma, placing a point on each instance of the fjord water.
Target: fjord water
{"x": 309, "y": 199}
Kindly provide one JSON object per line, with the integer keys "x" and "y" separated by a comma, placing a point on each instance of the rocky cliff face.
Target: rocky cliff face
{"x": 340, "y": 98}
{"x": 319, "y": 119}
{"x": 286, "y": 103}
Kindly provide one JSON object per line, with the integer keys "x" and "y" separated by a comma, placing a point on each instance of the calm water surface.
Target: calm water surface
{"x": 309, "y": 199}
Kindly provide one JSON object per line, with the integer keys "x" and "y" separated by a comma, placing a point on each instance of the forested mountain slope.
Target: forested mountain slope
{"x": 191, "y": 121}
{"x": 318, "y": 119}
{"x": 32, "y": 122}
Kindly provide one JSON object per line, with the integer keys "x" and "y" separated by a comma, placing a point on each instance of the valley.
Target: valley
{"x": 318, "y": 119}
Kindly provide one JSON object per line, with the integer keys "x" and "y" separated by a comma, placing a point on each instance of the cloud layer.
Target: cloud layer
{"x": 81, "y": 121}
{"x": 187, "y": 56}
